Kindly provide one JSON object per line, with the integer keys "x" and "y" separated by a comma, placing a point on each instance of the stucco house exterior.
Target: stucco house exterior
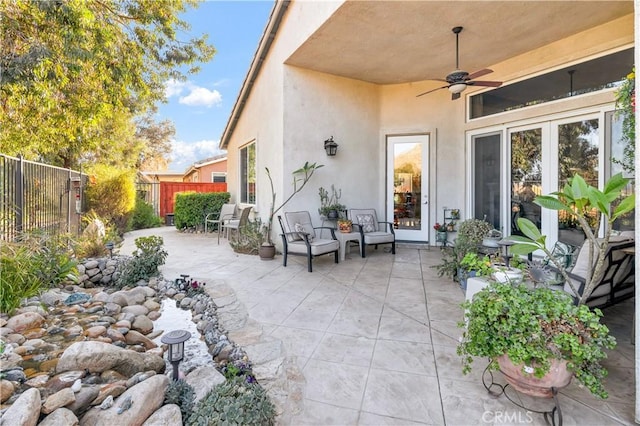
{"x": 353, "y": 70}
{"x": 212, "y": 169}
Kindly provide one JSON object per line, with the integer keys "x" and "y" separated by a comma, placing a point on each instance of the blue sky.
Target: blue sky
{"x": 200, "y": 107}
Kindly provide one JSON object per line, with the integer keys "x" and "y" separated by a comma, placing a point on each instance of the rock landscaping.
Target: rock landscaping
{"x": 89, "y": 354}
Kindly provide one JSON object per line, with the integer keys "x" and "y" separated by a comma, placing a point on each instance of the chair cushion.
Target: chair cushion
{"x": 378, "y": 237}
{"x": 301, "y": 229}
{"x": 366, "y": 222}
{"x": 318, "y": 247}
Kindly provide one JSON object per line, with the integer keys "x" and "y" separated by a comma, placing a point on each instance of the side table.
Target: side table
{"x": 344, "y": 238}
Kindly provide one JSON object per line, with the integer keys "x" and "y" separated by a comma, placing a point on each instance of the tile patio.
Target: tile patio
{"x": 375, "y": 338}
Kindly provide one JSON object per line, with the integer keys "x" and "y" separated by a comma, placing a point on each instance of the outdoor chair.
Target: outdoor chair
{"x": 372, "y": 231}
{"x": 226, "y": 213}
{"x": 299, "y": 238}
{"x": 617, "y": 282}
{"x": 236, "y": 224}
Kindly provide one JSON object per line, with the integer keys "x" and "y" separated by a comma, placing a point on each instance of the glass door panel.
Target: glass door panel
{"x": 487, "y": 195}
{"x": 407, "y": 172}
{"x": 577, "y": 154}
{"x": 526, "y": 177}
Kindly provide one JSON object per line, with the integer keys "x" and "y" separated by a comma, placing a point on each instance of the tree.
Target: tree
{"x": 156, "y": 137}
{"x": 77, "y": 73}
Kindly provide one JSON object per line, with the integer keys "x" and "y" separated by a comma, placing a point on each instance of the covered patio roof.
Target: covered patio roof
{"x": 390, "y": 42}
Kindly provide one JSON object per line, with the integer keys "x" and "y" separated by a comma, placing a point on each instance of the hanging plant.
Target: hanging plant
{"x": 626, "y": 109}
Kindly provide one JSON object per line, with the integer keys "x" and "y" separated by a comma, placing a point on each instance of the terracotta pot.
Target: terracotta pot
{"x": 267, "y": 252}
{"x": 557, "y": 377}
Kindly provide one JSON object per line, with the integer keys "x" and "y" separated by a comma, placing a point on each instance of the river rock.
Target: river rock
{"x": 152, "y": 305}
{"x": 77, "y": 299}
{"x": 203, "y": 379}
{"x": 6, "y": 390}
{"x": 83, "y": 399}
{"x": 119, "y": 298}
{"x": 146, "y": 397}
{"x": 53, "y": 297}
{"x": 62, "y": 416}
{"x": 136, "y": 338}
{"x": 142, "y": 324}
{"x": 111, "y": 308}
{"x": 21, "y": 322}
{"x": 135, "y": 310}
{"x": 64, "y": 380}
{"x": 97, "y": 357}
{"x": 115, "y": 335}
{"x": 112, "y": 389}
{"x": 24, "y": 411}
{"x": 93, "y": 332}
{"x": 167, "y": 415}
{"x": 57, "y": 400}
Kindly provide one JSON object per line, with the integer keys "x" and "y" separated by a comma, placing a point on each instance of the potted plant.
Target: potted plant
{"x": 300, "y": 178}
{"x": 330, "y": 207}
{"x": 580, "y": 200}
{"x": 469, "y": 237}
{"x": 528, "y": 333}
{"x": 473, "y": 265}
{"x": 537, "y": 331}
{"x": 344, "y": 225}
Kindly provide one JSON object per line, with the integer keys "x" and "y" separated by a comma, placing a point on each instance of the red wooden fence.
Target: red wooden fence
{"x": 168, "y": 191}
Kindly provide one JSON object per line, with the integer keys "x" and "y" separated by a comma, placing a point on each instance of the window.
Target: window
{"x": 248, "y": 174}
{"x": 589, "y": 76}
{"x": 218, "y": 177}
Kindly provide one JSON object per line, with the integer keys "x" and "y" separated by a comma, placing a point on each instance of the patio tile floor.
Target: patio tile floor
{"x": 375, "y": 338}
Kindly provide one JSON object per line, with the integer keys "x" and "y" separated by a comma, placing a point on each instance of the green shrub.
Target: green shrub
{"x": 248, "y": 238}
{"x": 191, "y": 208}
{"x": 148, "y": 256}
{"x": 234, "y": 402}
{"x": 143, "y": 216}
{"x": 181, "y": 393}
{"x": 113, "y": 196}
{"x": 33, "y": 264}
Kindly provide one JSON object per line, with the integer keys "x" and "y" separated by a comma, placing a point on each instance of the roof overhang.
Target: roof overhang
{"x": 392, "y": 42}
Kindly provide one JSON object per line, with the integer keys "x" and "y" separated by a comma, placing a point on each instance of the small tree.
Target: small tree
{"x": 580, "y": 200}
{"x": 300, "y": 179}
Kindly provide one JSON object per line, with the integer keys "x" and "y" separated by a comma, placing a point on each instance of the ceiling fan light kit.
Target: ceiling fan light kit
{"x": 458, "y": 80}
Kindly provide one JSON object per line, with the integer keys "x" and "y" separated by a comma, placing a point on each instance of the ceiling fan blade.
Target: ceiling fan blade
{"x": 485, "y": 83}
{"x": 432, "y": 90}
{"x": 480, "y": 73}
{"x": 455, "y": 96}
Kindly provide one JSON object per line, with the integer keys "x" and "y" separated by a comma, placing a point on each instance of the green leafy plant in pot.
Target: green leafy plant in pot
{"x": 533, "y": 328}
{"x": 539, "y": 330}
{"x": 473, "y": 265}
{"x": 469, "y": 237}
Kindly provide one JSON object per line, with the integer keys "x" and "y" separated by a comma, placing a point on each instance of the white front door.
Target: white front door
{"x": 407, "y": 186}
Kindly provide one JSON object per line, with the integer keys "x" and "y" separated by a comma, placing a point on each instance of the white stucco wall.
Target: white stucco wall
{"x": 318, "y": 106}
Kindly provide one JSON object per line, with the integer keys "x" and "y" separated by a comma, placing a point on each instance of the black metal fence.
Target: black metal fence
{"x": 37, "y": 196}
{"x": 150, "y": 193}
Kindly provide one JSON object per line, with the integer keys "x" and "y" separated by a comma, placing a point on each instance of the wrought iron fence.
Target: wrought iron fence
{"x": 38, "y": 196}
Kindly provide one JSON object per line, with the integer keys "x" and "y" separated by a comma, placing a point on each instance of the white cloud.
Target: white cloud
{"x": 196, "y": 95}
{"x": 184, "y": 154}
{"x": 174, "y": 87}
{"x": 200, "y": 96}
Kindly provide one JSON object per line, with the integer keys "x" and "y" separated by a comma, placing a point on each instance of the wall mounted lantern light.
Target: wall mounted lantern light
{"x": 331, "y": 147}
{"x": 175, "y": 339}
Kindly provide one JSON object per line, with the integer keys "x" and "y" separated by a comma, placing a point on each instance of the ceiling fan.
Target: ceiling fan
{"x": 458, "y": 80}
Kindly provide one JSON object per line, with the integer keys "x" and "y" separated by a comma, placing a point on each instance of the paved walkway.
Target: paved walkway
{"x": 376, "y": 338}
